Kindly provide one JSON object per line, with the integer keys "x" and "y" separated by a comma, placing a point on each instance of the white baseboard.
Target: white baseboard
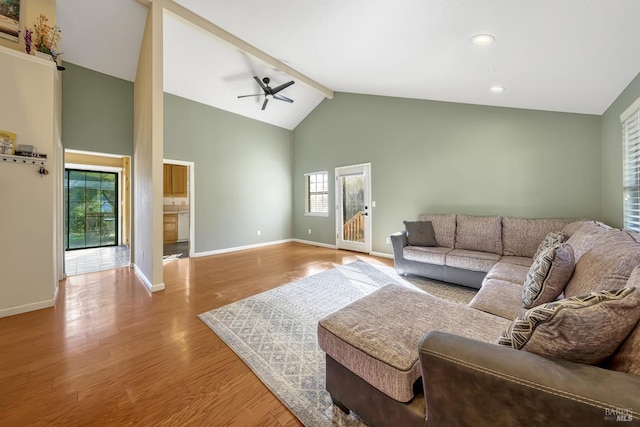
{"x": 309, "y": 242}
{"x": 5, "y": 312}
{"x": 147, "y": 283}
{"x": 381, "y": 254}
{"x": 278, "y": 242}
{"x": 240, "y": 248}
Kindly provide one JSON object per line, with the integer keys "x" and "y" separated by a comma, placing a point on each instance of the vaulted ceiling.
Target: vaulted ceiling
{"x": 570, "y": 55}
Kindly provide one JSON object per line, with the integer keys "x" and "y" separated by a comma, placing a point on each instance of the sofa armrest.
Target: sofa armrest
{"x": 398, "y": 241}
{"x": 468, "y": 382}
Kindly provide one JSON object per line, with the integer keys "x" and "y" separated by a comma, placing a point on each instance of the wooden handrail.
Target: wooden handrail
{"x": 353, "y": 230}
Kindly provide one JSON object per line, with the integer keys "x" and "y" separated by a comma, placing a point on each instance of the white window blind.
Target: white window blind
{"x": 631, "y": 167}
{"x": 317, "y": 191}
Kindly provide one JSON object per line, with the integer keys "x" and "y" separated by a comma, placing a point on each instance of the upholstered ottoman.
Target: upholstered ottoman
{"x": 371, "y": 349}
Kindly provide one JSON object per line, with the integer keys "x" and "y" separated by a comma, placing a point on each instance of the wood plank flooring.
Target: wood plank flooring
{"x": 111, "y": 353}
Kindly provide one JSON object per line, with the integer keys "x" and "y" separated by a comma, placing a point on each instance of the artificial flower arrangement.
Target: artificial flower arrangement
{"x": 43, "y": 38}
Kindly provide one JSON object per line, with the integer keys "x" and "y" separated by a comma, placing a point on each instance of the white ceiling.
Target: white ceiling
{"x": 570, "y": 55}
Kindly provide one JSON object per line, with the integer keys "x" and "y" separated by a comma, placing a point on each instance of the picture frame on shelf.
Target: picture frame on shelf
{"x": 7, "y": 142}
{"x": 10, "y": 19}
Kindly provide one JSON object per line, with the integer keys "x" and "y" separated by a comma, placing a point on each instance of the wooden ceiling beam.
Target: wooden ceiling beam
{"x": 197, "y": 20}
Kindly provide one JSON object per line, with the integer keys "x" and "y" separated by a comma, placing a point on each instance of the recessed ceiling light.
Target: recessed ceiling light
{"x": 482, "y": 39}
{"x": 496, "y": 89}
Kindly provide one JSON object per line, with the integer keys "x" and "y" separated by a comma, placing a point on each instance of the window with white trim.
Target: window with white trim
{"x": 631, "y": 166}
{"x": 317, "y": 193}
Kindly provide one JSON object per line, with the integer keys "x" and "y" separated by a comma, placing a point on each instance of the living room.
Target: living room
{"x": 425, "y": 156}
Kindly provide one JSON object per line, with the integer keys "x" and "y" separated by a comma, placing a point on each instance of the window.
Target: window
{"x": 631, "y": 166}
{"x": 317, "y": 189}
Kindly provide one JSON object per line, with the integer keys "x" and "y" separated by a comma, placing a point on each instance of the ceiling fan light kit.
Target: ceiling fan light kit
{"x": 269, "y": 91}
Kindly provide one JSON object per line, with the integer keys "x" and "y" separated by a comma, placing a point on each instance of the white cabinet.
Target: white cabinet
{"x": 183, "y": 227}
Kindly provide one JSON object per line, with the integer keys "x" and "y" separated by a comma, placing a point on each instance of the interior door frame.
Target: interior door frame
{"x": 365, "y": 169}
{"x": 192, "y": 200}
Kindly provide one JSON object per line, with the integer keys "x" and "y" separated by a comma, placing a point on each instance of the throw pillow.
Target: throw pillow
{"x": 548, "y": 275}
{"x": 584, "y": 329}
{"x": 420, "y": 233}
{"x": 551, "y": 239}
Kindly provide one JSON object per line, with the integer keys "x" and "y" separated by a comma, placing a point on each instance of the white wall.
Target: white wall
{"x": 147, "y": 155}
{"x": 29, "y": 252}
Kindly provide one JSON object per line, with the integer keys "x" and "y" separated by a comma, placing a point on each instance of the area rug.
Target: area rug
{"x": 275, "y": 332}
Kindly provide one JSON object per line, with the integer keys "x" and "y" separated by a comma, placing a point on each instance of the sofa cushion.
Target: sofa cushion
{"x": 444, "y": 227}
{"x": 518, "y": 260}
{"x": 509, "y": 272}
{"x": 583, "y": 329}
{"x": 471, "y": 260}
{"x": 479, "y": 233}
{"x": 607, "y": 265}
{"x": 432, "y": 255}
{"x": 420, "y": 233}
{"x": 376, "y": 337}
{"x": 551, "y": 239}
{"x": 572, "y": 227}
{"x": 548, "y": 275}
{"x": 585, "y": 237}
{"x": 627, "y": 357}
{"x": 522, "y": 236}
{"x": 500, "y": 297}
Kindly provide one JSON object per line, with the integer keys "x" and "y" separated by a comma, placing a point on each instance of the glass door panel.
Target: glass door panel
{"x": 353, "y": 212}
{"x": 91, "y": 200}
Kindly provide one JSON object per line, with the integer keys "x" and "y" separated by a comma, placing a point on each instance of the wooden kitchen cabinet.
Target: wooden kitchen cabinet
{"x": 166, "y": 180}
{"x": 179, "y": 180}
{"x": 174, "y": 180}
{"x": 170, "y": 228}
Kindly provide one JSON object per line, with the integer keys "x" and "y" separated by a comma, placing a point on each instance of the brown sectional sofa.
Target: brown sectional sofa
{"x": 399, "y": 356}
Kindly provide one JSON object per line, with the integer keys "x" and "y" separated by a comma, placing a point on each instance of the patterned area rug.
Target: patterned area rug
{"x": 275, "y": 332}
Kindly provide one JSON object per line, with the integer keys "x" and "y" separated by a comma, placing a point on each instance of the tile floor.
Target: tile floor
{"x": 83, "y": 261}
{"x": 174, "y": 251}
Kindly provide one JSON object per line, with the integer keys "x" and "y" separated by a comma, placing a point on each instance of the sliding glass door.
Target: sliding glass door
{"x": 91, "y": 209}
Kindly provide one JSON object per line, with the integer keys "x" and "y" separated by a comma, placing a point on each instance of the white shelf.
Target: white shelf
{"x": 7, "y": 158}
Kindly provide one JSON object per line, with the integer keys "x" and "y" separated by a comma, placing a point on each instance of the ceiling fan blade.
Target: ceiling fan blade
{"x": 282, "y": 86}
{"x": 245, "y": 96}
{"x": 264, "y": 105}
{"x": 282, "y": 98}
{"x": 264, "y": 88}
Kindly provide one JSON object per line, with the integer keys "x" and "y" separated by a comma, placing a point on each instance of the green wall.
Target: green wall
{"x": 426, "y": 156}
{"x": 429, "y": 156}
{"x": 242, "y": 173}
{"x": 97, "y": 111}
{"x": 612, "y": 154}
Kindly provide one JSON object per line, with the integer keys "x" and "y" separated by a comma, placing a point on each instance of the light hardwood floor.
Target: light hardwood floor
{"x": 111, "y": 353}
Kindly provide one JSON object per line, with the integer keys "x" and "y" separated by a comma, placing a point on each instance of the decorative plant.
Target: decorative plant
{"x": 45, "y": 37}
{"x": 28, "y": 34}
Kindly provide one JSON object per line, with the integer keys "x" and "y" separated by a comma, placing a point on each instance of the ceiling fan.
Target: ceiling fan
{"x": 264, "y": 84}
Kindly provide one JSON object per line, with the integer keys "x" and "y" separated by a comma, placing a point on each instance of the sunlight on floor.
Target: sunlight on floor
{"x": 83, "y": 261}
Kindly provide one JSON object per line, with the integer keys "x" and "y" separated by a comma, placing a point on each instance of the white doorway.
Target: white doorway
{"x": 353, "y": 203}
{"x": 96, "y": 219}
{"x": 178, "y": 209}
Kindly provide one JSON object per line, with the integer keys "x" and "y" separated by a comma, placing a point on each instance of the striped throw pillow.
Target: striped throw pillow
{"x": 548, "y": 275}
{"x": 584, "y": 329}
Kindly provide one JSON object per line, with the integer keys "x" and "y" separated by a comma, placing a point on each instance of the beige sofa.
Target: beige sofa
{"x": 468, "y": 247}
{"x": 400, "y": 356}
